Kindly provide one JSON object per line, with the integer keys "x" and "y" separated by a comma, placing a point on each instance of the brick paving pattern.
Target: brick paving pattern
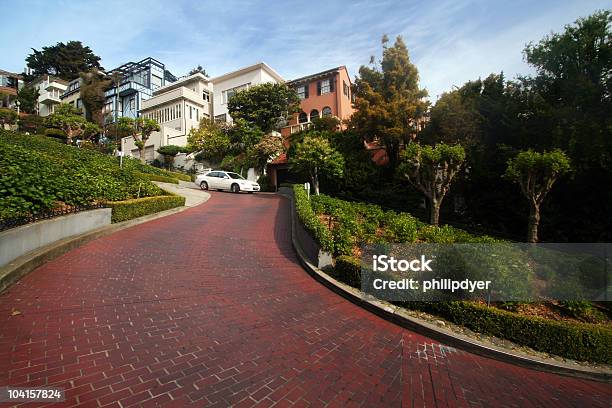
{"x": 210, "y": 307}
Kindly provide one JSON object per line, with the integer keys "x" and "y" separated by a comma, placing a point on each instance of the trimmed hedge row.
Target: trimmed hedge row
{"x": 354, "y": 223}
{"x": 156, "y": 177}
{"x": 310, "y": 220}
{"x": 348, "y": 270}
{"x": 135, "y": 165}
{"x": 578, "y": 341}
{"x": 129, "y": 209}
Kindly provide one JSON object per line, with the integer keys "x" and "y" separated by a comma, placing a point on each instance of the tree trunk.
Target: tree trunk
{"x": 434, "y": 212}
{"x": 315, "y": 181}
{"x": 142, "y": 155}
{"x": 534, "y": 222}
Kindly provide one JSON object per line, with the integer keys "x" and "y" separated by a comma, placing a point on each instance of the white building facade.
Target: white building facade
{"x": 225, "y": 86}
{"x": 49, "y": 91}
{"x": 179, "y": 106}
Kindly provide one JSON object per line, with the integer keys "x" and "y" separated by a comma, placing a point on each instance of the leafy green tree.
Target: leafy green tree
{"x": 64, "y": 61}
{"x": 169, "y": 152}
{"x": 69, "y": 120}
{"x": 315, "y": 157}
{"x": 269, "y": 146}
{"x": 28, "y": 98}
{"x": 93, "y": 85}
{"x": 264, "y": 105}
{"x": 453, "y": 119}
{"x": 7, "y": 117}
{"x": 388, "y": 100}
{"x": 210, "y": 140}
{"x": 243, "y": 135}
{"x": 431, "y": 170}
{"x": 536, "y": 173}
{"x": 140, "y": 129}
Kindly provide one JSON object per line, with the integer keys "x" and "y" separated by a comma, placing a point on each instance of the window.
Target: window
{"x": 79, "y": 103}
{"x": 132, "y": 103}
{"x": 326, "y": 111}
{"x": 221, "y": 118}
{"x": 197, "y": 114}
{"x": 345, "y": 88}
{"x": 325, "y": 86}
{"x": 314, "y": 114}
{"x": 227, "y": 94}
{"x": 190, "y": 112}
{"x": 178, "y": 107}
{"x": 303, "y": 117}
{"x": 302, "y": 91}
{"x": 206, "y": 96}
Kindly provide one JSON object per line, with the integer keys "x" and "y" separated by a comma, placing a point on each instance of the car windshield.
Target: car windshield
{"x": 235, "y": 176}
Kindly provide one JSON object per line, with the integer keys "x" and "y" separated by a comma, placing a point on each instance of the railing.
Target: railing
{"x": 44, "y": 215}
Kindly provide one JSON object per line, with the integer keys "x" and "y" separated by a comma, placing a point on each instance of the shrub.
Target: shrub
{"x": 578, "y": 341}
{"x": 348, "y": 270}
{"x": 37, "y": 173}
{"x": 129, "y": 209}
{"x": 402, "y": 228}
{"x": 265, "y": 183}
{"x": 310, "y": 220}
{"x": 155, "y": 177}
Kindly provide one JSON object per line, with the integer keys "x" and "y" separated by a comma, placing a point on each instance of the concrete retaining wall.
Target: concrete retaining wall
{"x": 18, "y": 241}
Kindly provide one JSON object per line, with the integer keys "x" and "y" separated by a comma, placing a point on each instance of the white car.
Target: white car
{"x": 225, "y": 180}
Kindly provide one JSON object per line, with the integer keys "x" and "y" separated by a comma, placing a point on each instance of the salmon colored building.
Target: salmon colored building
{"x": 323, "y": 94}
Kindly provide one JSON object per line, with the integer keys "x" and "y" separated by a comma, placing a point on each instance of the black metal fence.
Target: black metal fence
{"x": 45, "y": 215}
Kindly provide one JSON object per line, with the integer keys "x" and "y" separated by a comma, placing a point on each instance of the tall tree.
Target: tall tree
{"x": 431, "y": 170}
{"x": 536, "y": 173}
{"x": 140, "y": 129}
{"x": 64, "y": 61}
{"x": 389, "y": 100}
{"x": 315, "y": 157}
{"x": 93, "y": 85}
{"x": 28, "y": 98}
{"x": 264, "y": 105}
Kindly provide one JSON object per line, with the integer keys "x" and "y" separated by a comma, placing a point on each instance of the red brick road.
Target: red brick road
{"x": 209, "y": 307}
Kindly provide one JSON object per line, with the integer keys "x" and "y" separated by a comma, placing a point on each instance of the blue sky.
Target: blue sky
{"x": 449, "y": 41}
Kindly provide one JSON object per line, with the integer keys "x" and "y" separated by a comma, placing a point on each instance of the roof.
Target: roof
{"x": 321, "y": 74}
{"x": 180, "y": 82}
{"x": 259, "y": 65}
{"x": 12, "y": 74}
{"x": 281, "y": 159}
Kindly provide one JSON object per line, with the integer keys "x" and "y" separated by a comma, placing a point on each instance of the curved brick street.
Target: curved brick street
{"x": 210, "y": 307}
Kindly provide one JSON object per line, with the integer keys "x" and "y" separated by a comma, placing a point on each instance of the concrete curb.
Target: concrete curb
{"x": 21, "y": 266}
{"x": 402, "y": 318}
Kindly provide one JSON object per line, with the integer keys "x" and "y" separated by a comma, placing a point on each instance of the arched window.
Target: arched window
{"x": 303, "y": 118}
{"x": 327, "y": 111}
{"x": 314, "y": 114}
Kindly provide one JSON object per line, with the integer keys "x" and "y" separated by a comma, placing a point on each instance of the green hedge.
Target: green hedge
{"x": 156, "y": 177}
{"x": 310, "y": 220}
{"x": 135, "y": 165}
{"x": 348, "y": 270}
{"x": 129, "y": 209}
{"x": 38, "y": 173}
{"x": 578, "y": 341}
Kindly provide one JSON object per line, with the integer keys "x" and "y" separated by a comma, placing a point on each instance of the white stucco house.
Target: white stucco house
{"x": 226, "y": 85}
{"x": 179, "y": 106}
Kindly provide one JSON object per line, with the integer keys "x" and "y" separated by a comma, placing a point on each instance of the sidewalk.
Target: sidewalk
{"x": 193, "y": 195}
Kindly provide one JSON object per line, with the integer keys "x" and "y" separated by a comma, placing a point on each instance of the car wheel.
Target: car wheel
{"x": 235, "y": 188}
{"x": 204, "y": 185}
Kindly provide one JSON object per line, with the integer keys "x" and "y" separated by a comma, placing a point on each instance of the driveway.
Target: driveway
{"x": 210, "y": 307}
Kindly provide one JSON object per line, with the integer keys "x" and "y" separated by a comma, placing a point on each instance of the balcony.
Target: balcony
{"x": 49, "y": 98}
{"x": 56, "y": 85}
{"x": 299, "y": 127}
